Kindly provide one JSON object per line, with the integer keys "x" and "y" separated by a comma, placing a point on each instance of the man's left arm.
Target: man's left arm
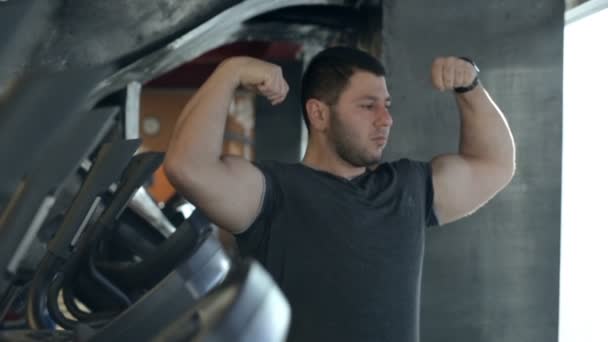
{"x": 485, "y": 163}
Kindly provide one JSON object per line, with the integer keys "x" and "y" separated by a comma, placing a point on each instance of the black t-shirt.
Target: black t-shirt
{"x": 346, "y": 253}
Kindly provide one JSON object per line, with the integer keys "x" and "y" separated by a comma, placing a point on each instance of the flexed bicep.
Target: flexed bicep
{"x": 462, "y": 185}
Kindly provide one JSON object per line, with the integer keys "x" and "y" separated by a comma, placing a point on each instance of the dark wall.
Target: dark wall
{"x": 492, "y": 276}
{"x": 278, "y": 128}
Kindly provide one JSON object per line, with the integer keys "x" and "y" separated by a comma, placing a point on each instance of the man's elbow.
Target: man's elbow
{"x": 176, "y": 172}
{"x": 505, "y": 174}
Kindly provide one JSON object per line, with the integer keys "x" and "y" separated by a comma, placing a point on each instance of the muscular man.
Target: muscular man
{"x": 341, "y": 232}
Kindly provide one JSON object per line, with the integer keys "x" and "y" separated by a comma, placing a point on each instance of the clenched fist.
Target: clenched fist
{"x": 263, "y": 77}
{"x": 448, "y": 73}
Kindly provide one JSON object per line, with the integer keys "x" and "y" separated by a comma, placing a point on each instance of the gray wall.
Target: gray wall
{"x": 493, "y": 276}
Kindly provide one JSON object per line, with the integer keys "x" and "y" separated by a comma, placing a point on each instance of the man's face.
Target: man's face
{"x": 360, "y": 121}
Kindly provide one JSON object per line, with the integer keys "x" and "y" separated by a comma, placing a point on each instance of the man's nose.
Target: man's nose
{"x": 384, "y": 118}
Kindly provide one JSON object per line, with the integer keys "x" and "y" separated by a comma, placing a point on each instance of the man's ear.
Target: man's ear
{"x": 318, "y": 114}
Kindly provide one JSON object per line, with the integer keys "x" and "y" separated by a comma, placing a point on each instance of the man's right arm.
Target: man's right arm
{"x": 229, "y": 189}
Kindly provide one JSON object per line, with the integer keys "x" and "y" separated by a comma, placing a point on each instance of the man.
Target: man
{"x": 341, "y": 232}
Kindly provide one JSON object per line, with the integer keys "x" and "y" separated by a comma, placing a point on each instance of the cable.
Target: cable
{"x": 36, "y": 299}
{"x": 53, "y": 305}
{"x": 107, "y": 284}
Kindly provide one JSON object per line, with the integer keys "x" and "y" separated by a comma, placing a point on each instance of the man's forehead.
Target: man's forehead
{"x": 369, "y": 97}
{"x": 364, "y": 85}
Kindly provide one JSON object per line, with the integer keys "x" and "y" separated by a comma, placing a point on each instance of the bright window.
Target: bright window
{"x": 584, "y": 231}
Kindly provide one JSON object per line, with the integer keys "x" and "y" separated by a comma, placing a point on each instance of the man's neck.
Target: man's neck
{"x": 327, "y": 160}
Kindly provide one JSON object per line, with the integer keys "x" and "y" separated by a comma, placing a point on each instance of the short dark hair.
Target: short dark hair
{"x": 329, "y": 72}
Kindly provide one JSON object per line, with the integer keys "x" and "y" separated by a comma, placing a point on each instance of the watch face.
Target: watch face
{"x": 151, "y": 125}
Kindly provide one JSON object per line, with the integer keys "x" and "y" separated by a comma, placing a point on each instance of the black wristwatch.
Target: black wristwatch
{"x": 461, "y": 90}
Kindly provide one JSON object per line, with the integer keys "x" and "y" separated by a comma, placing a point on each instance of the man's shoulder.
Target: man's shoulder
{"x": 407, "y": 163}
{"x": 408, "y": 168}
{"x": 276, "y": 166}
{"x": 281, "y": 173}
{"x": 401, "y": 164}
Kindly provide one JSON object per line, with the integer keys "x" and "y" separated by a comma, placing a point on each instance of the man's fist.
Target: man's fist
{"x": 263, "y": 77}
{"x": 448, "y": 73}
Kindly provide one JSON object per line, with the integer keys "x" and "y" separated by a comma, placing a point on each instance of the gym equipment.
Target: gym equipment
{"x": 247, "y": 307}
{"x": 111, "y": 160}
{"x": 144, "y": 205}
{"x": 37, "y": 336}
{"x": 22, "y": 27}
{"x": 139, "y": 169}
{"x": 36, "y": 193}
{"x": 192, "y": 280}
{"x": 55, "y": 102}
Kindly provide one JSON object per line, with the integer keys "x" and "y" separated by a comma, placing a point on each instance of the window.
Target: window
{"x": 584, "y": 231}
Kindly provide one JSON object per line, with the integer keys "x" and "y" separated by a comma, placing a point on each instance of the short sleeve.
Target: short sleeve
{"x": 421, "y": 174}
{"x": 254, "y": 241}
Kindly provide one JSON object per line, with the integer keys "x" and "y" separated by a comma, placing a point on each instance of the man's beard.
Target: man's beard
{"x": 347, "y": 145}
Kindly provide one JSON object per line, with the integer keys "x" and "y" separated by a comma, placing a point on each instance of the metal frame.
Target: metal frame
{"x": 132, "y": 112}
{"x": 584, "y": 10}
{"x": 223, "y": 28}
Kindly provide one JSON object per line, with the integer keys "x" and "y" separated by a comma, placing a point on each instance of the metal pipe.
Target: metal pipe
{"x": 143, "y": 204}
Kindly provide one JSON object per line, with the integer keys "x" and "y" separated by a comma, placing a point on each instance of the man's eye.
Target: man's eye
{"x": 367, "y": 106}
